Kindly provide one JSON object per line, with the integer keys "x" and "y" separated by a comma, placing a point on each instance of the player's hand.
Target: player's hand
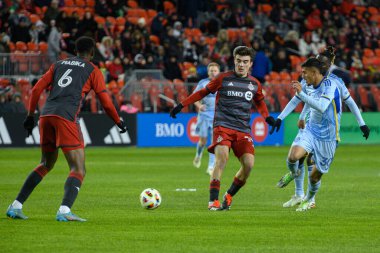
{"x": 271, "y": 121}
{"x": 123, "y": 127}
{"x": 365, "y": 130}
{"x": 29, "y": 125}
{"x": 276, "y": 126}
{"x": 297, "y": 86}
{"x": 301, "y": 124}
{"x": 176, "y": 110}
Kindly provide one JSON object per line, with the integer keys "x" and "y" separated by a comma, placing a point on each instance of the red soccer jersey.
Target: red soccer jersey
{"x": 234, "y": 100}
{"x": 70, "y": 81}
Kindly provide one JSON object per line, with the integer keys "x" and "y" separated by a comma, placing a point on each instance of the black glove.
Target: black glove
{"x": 176, "y": 110}
{"x": 276, "y": 126}
{"x": 29, "y": 125}
{"x": 123, "y": 127}
{"x": 365, "y": 131}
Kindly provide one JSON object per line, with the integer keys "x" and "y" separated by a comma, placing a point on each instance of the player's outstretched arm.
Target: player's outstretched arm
{"x": 189, "y": 100}
{"x": 355, "y": 110}
{"x": 291, "y": 105}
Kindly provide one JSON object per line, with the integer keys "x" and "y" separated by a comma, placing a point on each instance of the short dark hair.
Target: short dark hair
{"x": 313, "y": 62}
{"x": 84, "y": 44}
{"x": 244, "y": 51}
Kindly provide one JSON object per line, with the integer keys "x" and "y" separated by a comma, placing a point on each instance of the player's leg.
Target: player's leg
{"x": 202, "y": 133}
{"x": 76, "y": 161}
{"x": 323, "y": 153}
{"x": 310, "y": 165}
{"x": 295, "y": 154}
{"x": 48, "y": 159}
{"x": 199, "y": 152}
{"x": 221, "y": 158}
{"x": 244, "y": 150}
{"x": 299, "y": 188}
{"x": 211, "y": 156}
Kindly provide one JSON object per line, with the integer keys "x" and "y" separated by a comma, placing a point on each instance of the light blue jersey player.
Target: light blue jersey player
{"x": 321, "y": 134}
{"x": 328, "y": 57}
{"x": 206, "y": 109}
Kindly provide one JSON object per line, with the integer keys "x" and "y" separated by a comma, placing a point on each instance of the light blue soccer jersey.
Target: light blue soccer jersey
{"x": 209, "y": 101}
{"x": 324, "y": 123}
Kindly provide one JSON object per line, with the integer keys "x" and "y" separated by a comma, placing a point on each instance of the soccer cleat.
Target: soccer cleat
{"x": 68, "y": 217}
{"x": 15, "y": 213}
{"x": 209, "y": 170}
{"x": 304, "y": 206}
{"x": 312, "y": 205}
{"x": 295, "y": 200}
{"x": 214, "y": 205}
{"x": 227, "y": 201}
{"x": 286, "y": 179}
{"x": 197, "y": 162}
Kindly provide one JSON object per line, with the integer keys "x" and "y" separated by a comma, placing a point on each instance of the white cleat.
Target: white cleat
{"x": 197, "y": 162}
{"x": 295, "y": 200}
{"x": 210, "y": 170}
{"x": 304, "y": 206}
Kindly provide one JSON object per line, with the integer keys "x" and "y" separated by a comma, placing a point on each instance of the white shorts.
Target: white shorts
{"x": 323, "y": 151}
{"x": 204, "y": 127}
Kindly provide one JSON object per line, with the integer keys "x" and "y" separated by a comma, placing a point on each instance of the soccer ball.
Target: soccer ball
{"x": 150, "y": 198}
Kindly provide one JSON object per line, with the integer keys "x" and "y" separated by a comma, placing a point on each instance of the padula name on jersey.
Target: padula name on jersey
{"x": 74, "y": 63}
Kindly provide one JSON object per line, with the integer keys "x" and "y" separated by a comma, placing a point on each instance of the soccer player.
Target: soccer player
{"x": 69, "y": 81}
{"x": 321, "y": 134}
{"x": 327, "y": 58}
{"x": 237, "y": 91}
{"x": 206, "y": 108}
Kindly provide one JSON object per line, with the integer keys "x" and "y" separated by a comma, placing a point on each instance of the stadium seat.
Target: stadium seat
{"x": 43, "y": 47}
{"x": 275, "y": 77}
{"x": 285, "y": 77}
{"x": 69, "y": 3}
{"x": 132, "y": 4}
{"x": 151, "y": 13}
{"x": 33, "y": 47}
{"x": 12, "y": 46}
{"x": 373, "y": 10}
{"x": 265, "y": 8}
{"x": 295, "y": 61}
{"x": 91, "y": 3}
{"x": 34, "y": 18}
{"x": 133, "y": 20}
{"x": 283, "y": 101}
{"x": 169, "y": 7}
{"x": 232, "y": 34}
{"x": 295, "y": 75}
{"x": 363, "y": 95}
{"x": 100, "y": 20}
{"x": 368, "y": 52}
{"x": 80, "y": 3}
{"x": 21, "y": 46}
{"x": 136, "y": 101}
{"x": 154, "y": 99}
{"x": 377, "y": 52}
{"x": 155, "y": 39}
{"x": 4, "y": 82}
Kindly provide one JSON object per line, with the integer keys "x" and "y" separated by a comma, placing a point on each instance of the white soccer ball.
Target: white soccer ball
{"x": 150, "y": 198}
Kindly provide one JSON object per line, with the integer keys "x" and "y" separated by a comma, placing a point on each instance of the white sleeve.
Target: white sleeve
{"x": 320, "y": 105}
{"x": 292, "y": 104}
{"x": 355, "y": 110}
{"x": 305, "y": 111}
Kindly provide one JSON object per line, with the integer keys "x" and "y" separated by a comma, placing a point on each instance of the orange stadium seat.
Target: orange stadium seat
{"x": 91, "y": 3}
{"x": 34, "y": 18}
{"x": 368, "y": 52}
{"x": 266, "y": 8}
{"x": 373, "y": 10}
{"x": 4, "y": 82}
{"x": 80, "y": 3}
{"x": 100, "y": 20}
{"x": 363, "y": 95}
{"x": 69, "y": 3}
{"x": 155, "y": 39}
{"x": 132, "y": 4}
{"x": 120, "y": 21}
{"x": 151, "y": 13}
{"x": 21, "y": 46}
{"x": 12, "y": 46}
{"x": 32, "y": 46}
{"x": 133, "y": 20}
{"x": 43, "y": 47}
{"x": 169, "y": 7}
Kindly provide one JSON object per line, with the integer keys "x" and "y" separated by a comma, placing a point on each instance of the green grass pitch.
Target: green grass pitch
{"x": 347, "y": 217}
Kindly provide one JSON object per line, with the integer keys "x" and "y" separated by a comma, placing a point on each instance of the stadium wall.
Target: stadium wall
{"x": 159, "y": 130}
{"x": 97, "y": 130}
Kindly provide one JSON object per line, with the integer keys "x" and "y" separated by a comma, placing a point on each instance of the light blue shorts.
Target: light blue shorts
{"x": 204, "y": 127}
{"x": 323, "y": 151}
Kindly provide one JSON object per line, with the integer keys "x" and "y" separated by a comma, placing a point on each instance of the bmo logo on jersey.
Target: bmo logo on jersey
{"x": 247, "y": 95}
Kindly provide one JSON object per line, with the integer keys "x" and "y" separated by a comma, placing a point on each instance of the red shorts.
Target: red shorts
{"x": 241, "y": 143}
{"x": 57, "y": 132}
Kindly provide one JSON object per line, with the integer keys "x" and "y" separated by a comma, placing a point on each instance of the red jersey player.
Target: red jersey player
{"x": 70, "y": 80}
{"x": 236, "y": 92}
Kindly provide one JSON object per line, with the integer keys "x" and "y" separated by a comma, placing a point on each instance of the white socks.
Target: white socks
{"x": 64, "y": 209}
{"x": 16, "y": 204}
